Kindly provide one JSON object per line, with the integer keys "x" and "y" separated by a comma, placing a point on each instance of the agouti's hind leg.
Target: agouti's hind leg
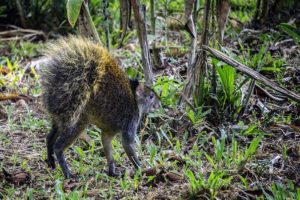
{"x": 51, "y": 138}
{"x": 65, "y": 139}
{"x": 106, "y": 142}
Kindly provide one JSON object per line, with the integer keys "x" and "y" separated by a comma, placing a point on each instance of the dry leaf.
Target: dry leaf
{"x": 173, "y": 177}
{"x": 85, "y": 137}
{"x": 70, "y": 184}
{"x": 21, "y": 104}
{"x": 92, "y": 192}
{"x": 16, "y": 178}
{"x": 150, "y": 172}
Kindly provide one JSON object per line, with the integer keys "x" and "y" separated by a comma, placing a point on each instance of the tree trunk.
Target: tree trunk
{"x": 142, "y": 34}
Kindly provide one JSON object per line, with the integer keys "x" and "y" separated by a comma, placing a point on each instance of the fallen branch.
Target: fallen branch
{"x": 252, "y": 73}
{"x": 20, "y": 34}
{"x": 16, "y": 38}
{"x": 20, "y": 31}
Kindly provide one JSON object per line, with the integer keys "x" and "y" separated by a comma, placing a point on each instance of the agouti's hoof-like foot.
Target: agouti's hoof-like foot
{"x": 51, "y": 163}
{"x": 114, "y": 173}
{"x": 70, "y": 176}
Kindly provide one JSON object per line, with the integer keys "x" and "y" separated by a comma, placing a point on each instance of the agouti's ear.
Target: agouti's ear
{"x": 134, "y": 83}
{"x": 140, "y": 89}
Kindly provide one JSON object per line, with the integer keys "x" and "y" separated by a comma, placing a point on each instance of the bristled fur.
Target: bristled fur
{"x": 74, "y": 74}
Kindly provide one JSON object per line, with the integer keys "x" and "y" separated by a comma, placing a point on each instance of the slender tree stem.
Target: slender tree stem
{"x": 106, "y": 27}
{"x": 142, "y": 34}
{"x": 90, "y": 22}
{"x": 201, "y": 62}
{"x": 152, "y": 6}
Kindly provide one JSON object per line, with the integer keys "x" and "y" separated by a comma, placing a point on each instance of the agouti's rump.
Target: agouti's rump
{"x": 77, "y": 73}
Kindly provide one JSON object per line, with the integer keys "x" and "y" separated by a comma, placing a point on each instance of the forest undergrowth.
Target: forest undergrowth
{"x": 187, "y": 152}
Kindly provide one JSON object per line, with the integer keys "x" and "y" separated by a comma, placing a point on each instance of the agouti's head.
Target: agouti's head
{"x": 146, "y": 98}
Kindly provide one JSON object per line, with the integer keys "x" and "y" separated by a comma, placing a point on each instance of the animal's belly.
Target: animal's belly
{"x": 105, "y": 125}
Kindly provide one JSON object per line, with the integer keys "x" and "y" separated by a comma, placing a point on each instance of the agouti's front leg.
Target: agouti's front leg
{"x": 129, "y": 146}
{"x": 106, "y": 142}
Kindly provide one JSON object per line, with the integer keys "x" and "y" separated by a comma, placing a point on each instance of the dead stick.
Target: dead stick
{"x": 269, "y": 94}
{"x": 252, "y": 73}
{"x": 21, "y": 31}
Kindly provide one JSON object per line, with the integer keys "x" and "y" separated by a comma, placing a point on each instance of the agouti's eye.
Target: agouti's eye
{"x": 151, "y": 96}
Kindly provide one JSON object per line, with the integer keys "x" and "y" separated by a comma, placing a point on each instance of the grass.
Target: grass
{"x": 205, "y": 164}
{"x": 184, "y": 154}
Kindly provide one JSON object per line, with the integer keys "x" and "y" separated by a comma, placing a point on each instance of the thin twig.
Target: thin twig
{"x": 188, "y": 102}
{"x": 270, "y": 95}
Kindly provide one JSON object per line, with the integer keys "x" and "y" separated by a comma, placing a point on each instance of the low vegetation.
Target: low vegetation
{"x": 248, "y": 148}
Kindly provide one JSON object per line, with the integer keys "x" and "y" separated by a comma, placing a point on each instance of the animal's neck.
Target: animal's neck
{"x": 141, "y": 111}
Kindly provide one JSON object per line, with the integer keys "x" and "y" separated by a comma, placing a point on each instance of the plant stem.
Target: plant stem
{"x": 106, "y": 28}
{"x": 90, "y": 22}
{"x": 152, "y": 6}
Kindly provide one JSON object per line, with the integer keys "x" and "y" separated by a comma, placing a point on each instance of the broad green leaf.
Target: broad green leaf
{"x": 192, "y": 179}
{"x": 250, "y": 130}
{"x": 234, "y": 149}
{"x": 73, "y": 10}
{"x": 210, "y": 160}
{"x": 291, "y": 31}
{"x": 132, "y": 72}
{"x": 80, "y": 152}
{"x": 9, "y": 65}
{"x": 253, "y": 146}
{"x": 191, "y": 115}
{"x": 227, "y": 75}
{"x": 165, "y": 88}
{"x": 59, "y": 190}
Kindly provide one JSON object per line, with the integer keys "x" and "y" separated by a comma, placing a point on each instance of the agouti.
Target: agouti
{"x": 82, "y": 85}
